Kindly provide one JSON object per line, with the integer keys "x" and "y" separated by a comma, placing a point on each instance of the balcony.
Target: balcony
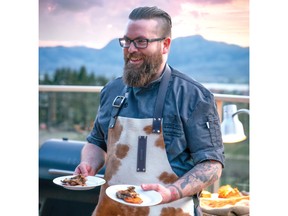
{"x": 236, "y": 172}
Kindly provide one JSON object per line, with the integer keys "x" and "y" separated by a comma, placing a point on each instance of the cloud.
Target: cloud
{"x": 99, "y": 21}
{"x": 58, "y": 6}
{"x": 211, "y": 1}
{"x": 76, "y": 5}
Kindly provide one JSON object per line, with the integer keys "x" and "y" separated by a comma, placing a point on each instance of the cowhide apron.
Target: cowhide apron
{"x": 126, "y": 137}
{"x": 121, "y": 168}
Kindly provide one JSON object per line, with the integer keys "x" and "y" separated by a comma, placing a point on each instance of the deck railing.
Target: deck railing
{"x": 220, "y": 98}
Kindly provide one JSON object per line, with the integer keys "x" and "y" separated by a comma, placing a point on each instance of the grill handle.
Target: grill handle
{"x": 67, "y": 172}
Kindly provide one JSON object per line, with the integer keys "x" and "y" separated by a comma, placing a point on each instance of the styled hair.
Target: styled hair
{"x": 153, "y": 13}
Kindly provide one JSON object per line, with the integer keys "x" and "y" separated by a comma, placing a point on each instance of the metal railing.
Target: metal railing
{"x": 220, "y": 98}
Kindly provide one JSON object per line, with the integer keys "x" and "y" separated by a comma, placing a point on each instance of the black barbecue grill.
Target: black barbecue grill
{"x": 59, "y": 158}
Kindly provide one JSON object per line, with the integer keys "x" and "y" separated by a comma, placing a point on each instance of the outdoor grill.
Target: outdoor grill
{"x": 59, "y": 158}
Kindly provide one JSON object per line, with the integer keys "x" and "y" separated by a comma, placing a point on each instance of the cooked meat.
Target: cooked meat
{"x": 129, "y": 195}
{"x": 75, "y": 180}
{"x": 129, "y": 192}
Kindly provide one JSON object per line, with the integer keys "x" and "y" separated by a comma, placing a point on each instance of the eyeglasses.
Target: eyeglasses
{"x": 140, "y": 43}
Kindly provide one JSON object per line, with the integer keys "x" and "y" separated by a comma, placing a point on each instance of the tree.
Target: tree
{"x": 65, "y": 110}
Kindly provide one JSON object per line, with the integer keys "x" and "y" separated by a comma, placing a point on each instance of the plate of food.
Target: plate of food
{"x": 133, "y": 195}
{"x": 79, "y": 182}
{"x": 225, "y": 198}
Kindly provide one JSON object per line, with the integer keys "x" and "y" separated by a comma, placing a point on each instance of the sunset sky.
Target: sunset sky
{"x": 94, "y": 23}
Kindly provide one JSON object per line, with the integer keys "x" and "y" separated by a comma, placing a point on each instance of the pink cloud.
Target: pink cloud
{"x": 99, "y": 21}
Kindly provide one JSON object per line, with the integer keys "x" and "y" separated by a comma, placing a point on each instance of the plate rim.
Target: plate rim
{"x": 137, "y": 188}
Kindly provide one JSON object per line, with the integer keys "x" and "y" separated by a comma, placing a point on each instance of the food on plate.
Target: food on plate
{"x": 129, "y": 195}
{"x": 135, "y": 200}
{"x": 205, "y": 194}
{"x": 227, "y": 191}
{"x": 226, "y": 196}
{"x": 75, "y": 180}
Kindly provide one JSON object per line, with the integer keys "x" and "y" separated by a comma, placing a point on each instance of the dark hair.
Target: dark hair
{"x": 152, "y": 13}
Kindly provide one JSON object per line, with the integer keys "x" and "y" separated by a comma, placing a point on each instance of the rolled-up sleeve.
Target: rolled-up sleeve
{"x": 204, "y": 134}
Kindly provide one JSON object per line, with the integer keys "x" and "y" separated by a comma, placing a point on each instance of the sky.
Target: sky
{"x": 94, "y": 23}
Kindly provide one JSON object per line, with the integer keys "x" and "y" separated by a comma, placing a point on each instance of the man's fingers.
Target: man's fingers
{"x": 81, "y": 169}
{"x": 150, "y": 187}
{"x": 165, "y": 192}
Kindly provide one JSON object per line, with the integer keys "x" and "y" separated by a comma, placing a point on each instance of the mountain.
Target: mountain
{"x": 204, "y": 60}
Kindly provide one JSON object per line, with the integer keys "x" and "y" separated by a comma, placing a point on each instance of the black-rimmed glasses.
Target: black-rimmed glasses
{"x": 140, "y": 43}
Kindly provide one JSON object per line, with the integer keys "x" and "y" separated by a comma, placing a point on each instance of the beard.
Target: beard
{"x": 141, "y": 75}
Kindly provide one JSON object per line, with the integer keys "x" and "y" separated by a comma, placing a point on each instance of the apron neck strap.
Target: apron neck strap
{"x": 157, "y": 116}
{"x": 117, "y": 105}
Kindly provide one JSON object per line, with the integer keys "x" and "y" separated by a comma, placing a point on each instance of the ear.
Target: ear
{"x": 167, "y": 43}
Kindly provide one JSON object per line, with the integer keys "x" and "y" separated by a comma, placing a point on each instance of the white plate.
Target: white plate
{"x": 92, "y": 182}
{"x": 149, "y": 198}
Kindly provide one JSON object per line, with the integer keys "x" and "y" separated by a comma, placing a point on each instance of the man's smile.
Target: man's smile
{"x": 135, "y": 60}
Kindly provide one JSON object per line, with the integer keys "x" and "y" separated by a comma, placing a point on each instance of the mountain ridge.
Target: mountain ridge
{"x": 204, "y": 60}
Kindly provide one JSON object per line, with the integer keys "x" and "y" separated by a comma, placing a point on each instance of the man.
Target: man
{"x": 155, "y": 127}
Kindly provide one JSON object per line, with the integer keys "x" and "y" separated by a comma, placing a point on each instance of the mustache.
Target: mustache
{"x": 134, "y": 55}
{"x": 130, "y": 55}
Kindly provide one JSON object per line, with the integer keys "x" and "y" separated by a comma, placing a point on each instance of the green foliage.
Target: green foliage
{"x": 67, "y": 76}
{"x": 68, "y": 110}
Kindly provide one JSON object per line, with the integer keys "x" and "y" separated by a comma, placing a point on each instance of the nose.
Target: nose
{"x": 132, "y": 48}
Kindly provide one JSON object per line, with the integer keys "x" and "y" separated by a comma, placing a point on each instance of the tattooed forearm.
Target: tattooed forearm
{"x": 201, "y": 176}
{"x": 195, "y": 180}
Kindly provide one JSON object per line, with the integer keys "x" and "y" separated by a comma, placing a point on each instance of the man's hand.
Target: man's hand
{"x": 85, "y": 169}
{"x": 169, "y": 193}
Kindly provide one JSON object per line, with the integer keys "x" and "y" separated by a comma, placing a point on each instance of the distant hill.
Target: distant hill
{"x": 205, "y": 61}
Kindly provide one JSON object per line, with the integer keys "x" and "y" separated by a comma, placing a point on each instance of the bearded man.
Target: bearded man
{"x": 156, "y": 128}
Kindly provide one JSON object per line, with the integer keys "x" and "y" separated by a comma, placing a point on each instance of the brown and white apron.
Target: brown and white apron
{"x": 136, "y": 155}
{"x": 121, "y": 168}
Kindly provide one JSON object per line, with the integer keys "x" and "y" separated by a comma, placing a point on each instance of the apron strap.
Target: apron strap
{"x": 157, "y": 117}
{"x": 117, "y": 105}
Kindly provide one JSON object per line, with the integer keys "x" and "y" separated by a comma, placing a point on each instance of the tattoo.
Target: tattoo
{"x": 174, "y": 197}
{"x": 203, "y": 174}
